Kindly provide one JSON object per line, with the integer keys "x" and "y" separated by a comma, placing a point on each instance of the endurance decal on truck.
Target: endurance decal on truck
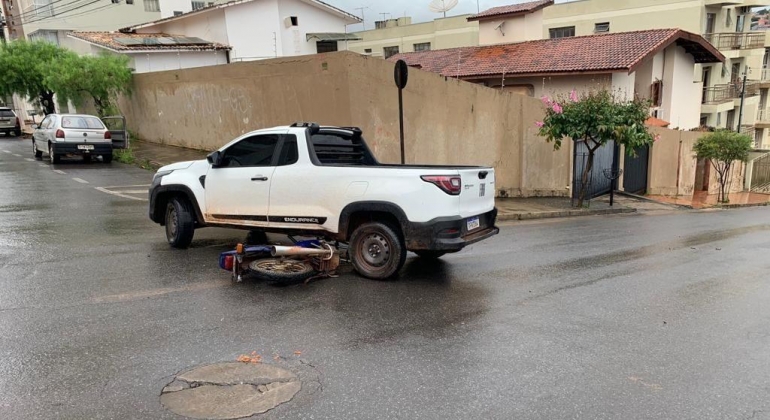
{"x": 296, "y": 219}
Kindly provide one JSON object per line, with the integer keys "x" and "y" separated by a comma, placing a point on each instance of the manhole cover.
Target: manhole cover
{"x": 229, "y": 390}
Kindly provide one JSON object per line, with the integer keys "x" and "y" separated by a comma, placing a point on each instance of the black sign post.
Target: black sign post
{"x": 401, "y": 75}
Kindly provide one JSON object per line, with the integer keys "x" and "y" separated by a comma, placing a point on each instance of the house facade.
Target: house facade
{"x": 655, "y": 64}
{"x": 260, "y": 29}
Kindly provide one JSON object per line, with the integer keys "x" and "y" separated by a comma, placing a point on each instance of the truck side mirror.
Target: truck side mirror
{"x": 215, "y": 159}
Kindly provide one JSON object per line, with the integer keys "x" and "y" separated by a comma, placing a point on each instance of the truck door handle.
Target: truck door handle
{"x": 259, "y": 178}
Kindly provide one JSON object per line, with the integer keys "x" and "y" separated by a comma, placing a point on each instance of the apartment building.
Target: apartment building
{"x": 393, "y": 36}
{"x": 51, "y": 20}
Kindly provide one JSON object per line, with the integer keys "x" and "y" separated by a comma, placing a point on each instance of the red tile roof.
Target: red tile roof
{"x": 656, "y": 122}
{"x": 512, "y": 9}
{"x": 118, "y": 41}
{"x": 621, "y": 51}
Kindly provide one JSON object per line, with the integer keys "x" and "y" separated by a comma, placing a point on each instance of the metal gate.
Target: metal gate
{"x": 598, "y": 183}
{"x": 635, "y": 171}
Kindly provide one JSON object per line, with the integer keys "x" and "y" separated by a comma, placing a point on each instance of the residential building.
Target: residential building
{"x": 156, "y": 52}
{"x": 259, "y": 29}
{"x": 638, "y": 63}
{"x": 724, "y": 23}
{"x": 12, "y": 27}
{"x": 514, "y": 23}
{"x": 400, "y": 35}
{"x": 51, "y": 20}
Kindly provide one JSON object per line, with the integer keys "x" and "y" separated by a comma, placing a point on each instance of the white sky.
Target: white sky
{"x": 417, "y": 9}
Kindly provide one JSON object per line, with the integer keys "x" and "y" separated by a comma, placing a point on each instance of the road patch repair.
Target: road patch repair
{"x": 230, "y": 390}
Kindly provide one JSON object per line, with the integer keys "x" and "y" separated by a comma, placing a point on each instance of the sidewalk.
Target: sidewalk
{"x": 702, "y": 200}
{"x": 552, "y": 207}
{"x": 161, "y": 154}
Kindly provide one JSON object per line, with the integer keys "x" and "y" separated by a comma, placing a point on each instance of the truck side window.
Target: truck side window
{"x": 289, "y": 154}
{"x": 251, "y": 151}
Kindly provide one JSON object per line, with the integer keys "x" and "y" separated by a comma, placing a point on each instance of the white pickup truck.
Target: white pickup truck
{"x": 305, "y": 179}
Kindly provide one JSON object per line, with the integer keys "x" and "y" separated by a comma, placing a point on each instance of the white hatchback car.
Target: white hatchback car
{"x": 70, "y": 134}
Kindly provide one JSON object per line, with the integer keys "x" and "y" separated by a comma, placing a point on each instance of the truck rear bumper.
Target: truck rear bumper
{"x": 450, "y": 234}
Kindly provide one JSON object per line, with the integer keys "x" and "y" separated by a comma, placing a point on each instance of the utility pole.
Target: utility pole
{"x": 383, "y": 16}
{"x": 363, "y": 19}
{"x": 478, "y": 8}
{"x": 743, "y": 96}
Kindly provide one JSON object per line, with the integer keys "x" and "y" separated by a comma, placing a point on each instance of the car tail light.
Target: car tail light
{"x": 107, "y": 135}
{"x": 18, "y": 122}
{"x": 449, "y": 184}
{"x": 60, "y": 134}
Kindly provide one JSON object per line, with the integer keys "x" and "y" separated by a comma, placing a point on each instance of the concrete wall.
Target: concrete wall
{"x": 254, "y": 30}
{"x": 552, "y": 86}
{"x": 206, "y": 107}
{"x": 515, "y": 29}
{"x": 675, "y": 170}
{"x": 672, "y": 163}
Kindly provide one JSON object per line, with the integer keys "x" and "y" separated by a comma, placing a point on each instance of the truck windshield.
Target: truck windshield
{"x": 341, "y": 148}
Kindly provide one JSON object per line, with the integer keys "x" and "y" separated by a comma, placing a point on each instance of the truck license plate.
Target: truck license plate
{"x": 85, "y": 147}
{"x": 473, "y": 223}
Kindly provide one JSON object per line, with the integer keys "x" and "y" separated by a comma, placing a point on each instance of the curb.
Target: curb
{"x": 650, "y": 200}
{"x": 738, "y": 206}
{"x": 560, "y": 214}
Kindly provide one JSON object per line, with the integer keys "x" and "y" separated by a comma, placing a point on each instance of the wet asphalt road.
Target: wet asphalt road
{"x": 630, "y": 317}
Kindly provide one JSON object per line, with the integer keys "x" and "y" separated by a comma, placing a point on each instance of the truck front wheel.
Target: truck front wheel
{"x": 180, "y": 223}
{"x": 376, "y": 250}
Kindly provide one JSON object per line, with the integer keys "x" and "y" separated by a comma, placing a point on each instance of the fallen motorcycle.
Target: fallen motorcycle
{"x": 304, "y": 261}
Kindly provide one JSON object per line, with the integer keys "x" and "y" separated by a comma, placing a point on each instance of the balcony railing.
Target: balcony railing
{"x": 763, "y": 115}
{"x": 736, "y": 40}
{"x": 724, "y": 93}
{"x": 765, "y": 74}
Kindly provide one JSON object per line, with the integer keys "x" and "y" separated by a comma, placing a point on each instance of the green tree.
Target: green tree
{"x": 23, "y": 69}
{"x": 98, "y": 78}
{"x": 595, "y": 118}
{"x": 723, "y": 148}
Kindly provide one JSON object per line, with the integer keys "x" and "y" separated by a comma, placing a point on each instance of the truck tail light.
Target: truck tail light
{"x": 60, "y": 134}
{"x": 107, "y": 135}
{"x": 451, "y": 185}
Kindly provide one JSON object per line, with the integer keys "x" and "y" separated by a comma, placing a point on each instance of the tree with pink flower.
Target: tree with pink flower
{"x": 595, "y": 118}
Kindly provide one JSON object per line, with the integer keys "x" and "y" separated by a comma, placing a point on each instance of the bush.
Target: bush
{"x": 723, "y": 148}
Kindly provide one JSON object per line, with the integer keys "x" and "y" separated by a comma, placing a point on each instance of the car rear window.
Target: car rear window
{"x": 84, "y": 123}
{"x": 333, "y": 148}
{"x": 6, "y": 113}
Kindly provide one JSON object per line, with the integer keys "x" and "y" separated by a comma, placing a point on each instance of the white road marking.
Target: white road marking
{"x": 16, "y": 155}
{"x": 59, "y": 171}
{"x": 43, "y": 165}
{"x": 128, "y": 186}
{"x": 7, "y": 151}
{"x": 117, "y": 194}
{"x": 82, "y": 181}
{"x": 29, "y": 160}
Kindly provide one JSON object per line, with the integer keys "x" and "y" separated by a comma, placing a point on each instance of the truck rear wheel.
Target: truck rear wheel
{"x": 376, "y": 250}
{"x": 180, "y": 223}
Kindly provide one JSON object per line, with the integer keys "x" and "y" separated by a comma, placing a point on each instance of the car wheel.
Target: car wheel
{"x": 86, "y": 158}
{"x": 376, "y": 250}
{"x": 17, "y": 133}
{"x": 180, "y": 223}
{"x": 107, "y": 158}
{"x": 430, "y": 255}
{"x": 282, "y": 270}
{"x": 38, "y": 153}
{"x": 52, "y": 155}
